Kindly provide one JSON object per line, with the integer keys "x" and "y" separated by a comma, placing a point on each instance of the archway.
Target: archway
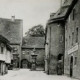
{"x": 24, "y": 63}
{"x": 71, "y": 66}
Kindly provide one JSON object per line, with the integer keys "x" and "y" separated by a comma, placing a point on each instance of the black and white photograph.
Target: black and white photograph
{"x": 39, "y": 40}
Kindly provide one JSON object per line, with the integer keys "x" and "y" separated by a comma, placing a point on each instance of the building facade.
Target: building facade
{"x": 55, "y": 38}
{"x": 54, "y": 48}
{"x": 5, "y": 55}
{"x": 12, "y": 29}
{"x": 32, "y": 43}
{"x": 72, "y": 42}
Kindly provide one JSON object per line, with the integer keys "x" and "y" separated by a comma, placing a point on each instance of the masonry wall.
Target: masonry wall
{"x": 26, "y": 54}
{"x": 72, "y": 47}
{"x": 56, "y": 45}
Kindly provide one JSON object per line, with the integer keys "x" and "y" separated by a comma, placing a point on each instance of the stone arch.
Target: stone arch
{"x": 24, "y": 63}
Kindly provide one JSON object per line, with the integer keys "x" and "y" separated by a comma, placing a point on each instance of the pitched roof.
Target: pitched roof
{"x": 34, "y": 42}
{"x": 5, "y": 41}
{"x": 63, "y": 11}
{"x": 12, "y": 30}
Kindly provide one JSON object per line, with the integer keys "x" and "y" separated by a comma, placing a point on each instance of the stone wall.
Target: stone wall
{"x": 56, "y": 45}
{"x": 72, "y": 33}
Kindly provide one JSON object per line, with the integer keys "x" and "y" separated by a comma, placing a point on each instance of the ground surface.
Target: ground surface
{"x": 25, "y": 74}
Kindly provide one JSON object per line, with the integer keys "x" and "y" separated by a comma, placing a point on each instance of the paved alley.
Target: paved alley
{"x": 25, "y": 74}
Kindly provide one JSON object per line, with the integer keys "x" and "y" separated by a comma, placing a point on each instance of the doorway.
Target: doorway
{"x": 60, "y": 64}
{"x": 24, "y": 63}
{"x": 71, "y": 66}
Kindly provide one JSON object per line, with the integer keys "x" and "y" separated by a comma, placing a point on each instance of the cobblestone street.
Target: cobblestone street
{"x": 25, "y": 74}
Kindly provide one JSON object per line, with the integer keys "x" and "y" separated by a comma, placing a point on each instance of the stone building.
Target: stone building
{"x": 5, "y": 55}
{"x": 72, "y": 42}
{"x": 55, "y": 38}
{"x": 36, "y": 43}
{"x": 12, "y": 29}
{"x": 54, "y": 47}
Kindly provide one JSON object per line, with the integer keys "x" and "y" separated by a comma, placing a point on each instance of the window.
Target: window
{"x": 61, "y": 38}
{"x": 2, "y": 49}
{"x": 75, "y": 62}
{"x": 72, "y": 38}
{"x": 69, "y": 41}
{"x": 15, "y": 49}
{"x": 60, "y": 57}
{"x": 69, "y": 36}
{"x": 76, "y": 35}
{"x": 23, "y": 52}
{"x": 73, "y": 14}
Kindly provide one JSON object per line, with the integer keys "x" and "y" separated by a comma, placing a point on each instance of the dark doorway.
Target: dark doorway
{"x": 60, "y": 64}
{"x": 71, "y": 66}
{"x": 24, "y": 63}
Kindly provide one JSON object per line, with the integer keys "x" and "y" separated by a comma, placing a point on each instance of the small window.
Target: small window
{"x": 2, "y": 49}
{"x": 73, "y": 15}
{"x": 61, "y": 38}
{"x": 69, "y": 36}
{"x": 23, "y": 52}
{"x": 27, "y": 52}
{"x": 72, "y": 38}
{"x": 76, "y": 35}
{"x": 75, "y": 62}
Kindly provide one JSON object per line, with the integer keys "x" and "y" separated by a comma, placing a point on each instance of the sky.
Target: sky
{"x": 32, "y": 12}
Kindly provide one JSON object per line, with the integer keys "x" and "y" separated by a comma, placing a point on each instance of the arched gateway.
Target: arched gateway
{"x": 24, "y": 63}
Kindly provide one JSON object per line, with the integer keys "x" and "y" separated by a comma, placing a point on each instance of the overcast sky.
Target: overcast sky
{"x": 33, "y": 12}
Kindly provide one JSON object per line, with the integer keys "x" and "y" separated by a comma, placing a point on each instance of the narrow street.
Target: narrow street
{"x": 25, "y": 74}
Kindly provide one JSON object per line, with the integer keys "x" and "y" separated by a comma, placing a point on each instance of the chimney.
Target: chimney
{"x": 13, "y": 18}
